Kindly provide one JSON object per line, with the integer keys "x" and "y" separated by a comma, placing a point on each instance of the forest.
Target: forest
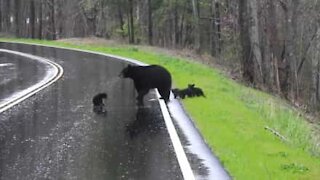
{"x": 274, "y": 45}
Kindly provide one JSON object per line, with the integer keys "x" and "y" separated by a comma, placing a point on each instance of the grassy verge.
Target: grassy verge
{"x": 233, "y": 118}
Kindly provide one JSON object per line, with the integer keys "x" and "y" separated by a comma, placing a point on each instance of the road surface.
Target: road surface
{"x": 55, "y": 135}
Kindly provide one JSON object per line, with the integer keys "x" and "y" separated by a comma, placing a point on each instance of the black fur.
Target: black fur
{"x": 176, "y": 92}
{"x": 98, "y": 105}
{"x": 148, "y": 77}
{"x": 190, "y": 91}
{"x": 182, "y": 93}
{"x": 195, "y": 90}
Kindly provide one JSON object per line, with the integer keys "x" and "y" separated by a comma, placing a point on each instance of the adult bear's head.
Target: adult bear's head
{"x": 126, "y": 72}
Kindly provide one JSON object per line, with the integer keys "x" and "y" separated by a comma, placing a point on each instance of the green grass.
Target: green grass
{"x": 232, "y": 120}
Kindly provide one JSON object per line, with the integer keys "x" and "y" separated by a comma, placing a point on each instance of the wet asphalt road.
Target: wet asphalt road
{"x": 18, "y": 73}
{"x": 55, "y": 135}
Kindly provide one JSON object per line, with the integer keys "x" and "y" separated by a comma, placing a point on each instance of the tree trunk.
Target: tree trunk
{"x": 215, "y": 31}
{"x": 120, "y": 16}
{"x": 277, "y": 75}
{"x": 61, "y": 18}
{"x": 314, "y": 94}
{"x": 1, "y": 16}
{"x": 17, "y": 17}
{"x": 6, "y": 15}
{"x": 196, "y": 25}
{"x": 32, "y": 19}
{"x": 53, "y": 20}
{"x": 218, "y": 30}
{"x": 247, "y": 66}
{"x": 255, "y": 42}
{"x": 274, "y": 43}
{"x": 176, "y": 25}
{"x": 130, "y": 23}
{"x": 290, "y": 51}
{"x": 318, "y": 85}
{"x": 40, "y": 19}
{"x": 213, "y": 27}
{"x": 150, "y": 23}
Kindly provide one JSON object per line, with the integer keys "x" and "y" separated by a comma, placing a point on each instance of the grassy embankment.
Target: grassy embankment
{"x": 233, "y": 118}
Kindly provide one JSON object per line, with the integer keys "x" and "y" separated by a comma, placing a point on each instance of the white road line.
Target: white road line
{"x": 177, "y": 145}
{"x": 6, "y": 64}
{"x": 184, "y": 164}
{"x": 45, "y": 82}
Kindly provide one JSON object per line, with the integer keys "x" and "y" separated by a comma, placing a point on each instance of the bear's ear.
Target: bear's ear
{"x": 191, "y": 85}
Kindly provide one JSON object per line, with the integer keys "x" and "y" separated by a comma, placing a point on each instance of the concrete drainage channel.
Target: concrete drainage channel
{"x": 211, "y": 162}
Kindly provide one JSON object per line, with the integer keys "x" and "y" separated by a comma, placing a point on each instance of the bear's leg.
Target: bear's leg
{"x": 98, "y": 108}
{"x": 141, "y": 94}
{"x": 183, "y": 95}
{"x": 175, "y": 92}
{"x": 202, "y": 94}
{"x": 165, "y": 94}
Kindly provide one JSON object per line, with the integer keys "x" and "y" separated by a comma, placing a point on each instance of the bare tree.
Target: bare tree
{"x": 130, "y": 22}
{"x": 246, "y": 60}
{"x": 40, "y": 17}
{"x": 314, "y": 97}
{"x": 255, "y": 53}
{"x": 90, "y": 10}
{"x": 1, "y": 18}
{"x": 196, "y": 25}
{"x": 32, "y": 18}
{"x": 215, "y": 28}
{"x": 17, "y": 19}
{"x": 150, "y": 23}
{"x": 291, "y": 79}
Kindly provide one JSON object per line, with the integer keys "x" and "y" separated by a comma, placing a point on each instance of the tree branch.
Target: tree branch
{"x": 276, "y": 133}
{"x": 283, "y": 5}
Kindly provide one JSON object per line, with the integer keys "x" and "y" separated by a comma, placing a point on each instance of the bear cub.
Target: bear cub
{"x": 149, "y": 77}
{"x": 182, "y": 93}
{"x": 98, "y": 105}
{"x": 195, "y": 90}
{"x": 190, "y": 91}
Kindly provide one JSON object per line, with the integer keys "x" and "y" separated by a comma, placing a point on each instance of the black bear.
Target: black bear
{"x": 182, "y": 93}
{"x": 98, "y": 105}
{"x": 195, "y": 91}
{"x": 190, "y": 91}
{"x": 176, "y": 92}
{"x": 149, "y": 77}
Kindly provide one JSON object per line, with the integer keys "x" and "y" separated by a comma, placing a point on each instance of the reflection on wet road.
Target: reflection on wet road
{"x": 55, "y": 134}
{"x": 18, "y": 73}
